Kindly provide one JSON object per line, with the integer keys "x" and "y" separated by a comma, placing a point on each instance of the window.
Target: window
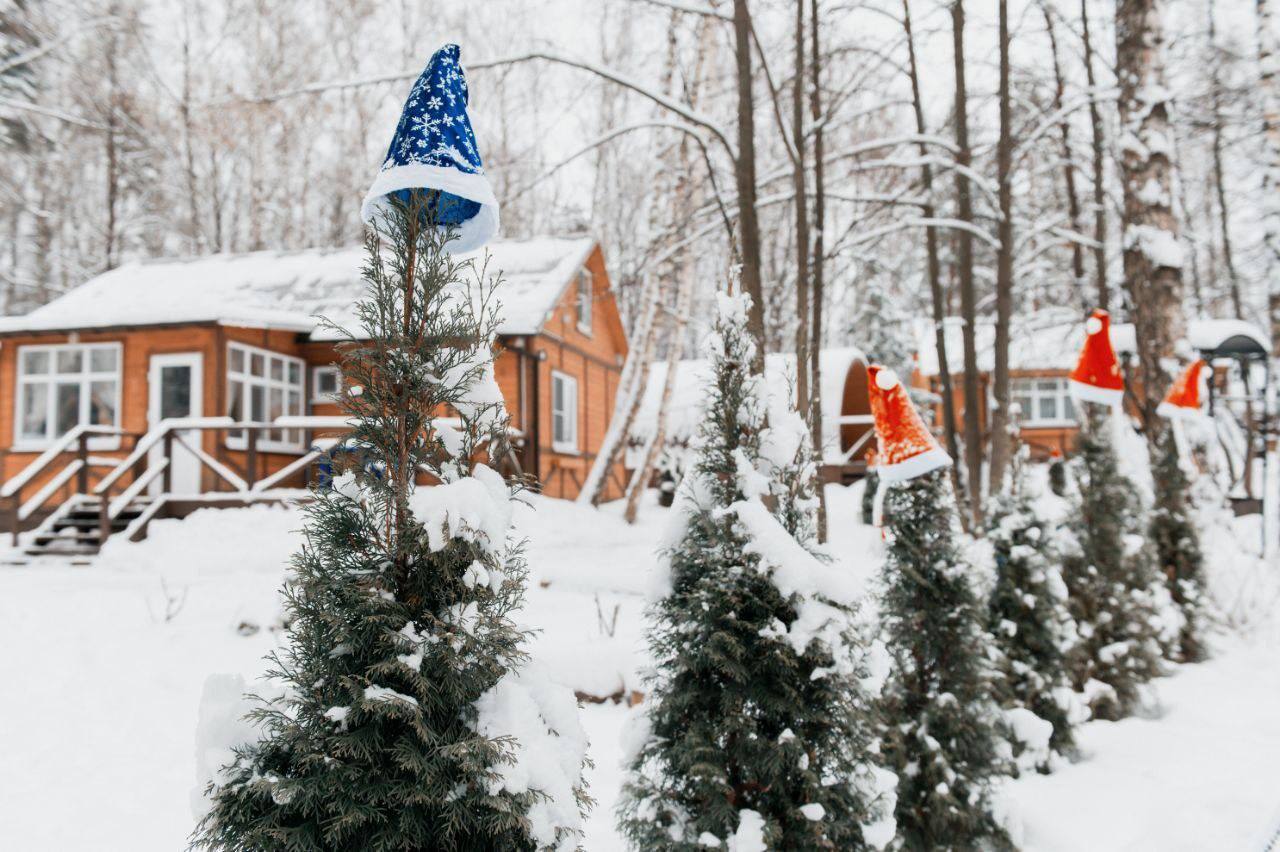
{"x": 564, "y": 413}
{"x": 326, "y": 384}
{"x": 585, "y": 296}
{"x": 1043, "y": 401}
{"x": 262, "y": 386}
{"x": 65, "y": 386}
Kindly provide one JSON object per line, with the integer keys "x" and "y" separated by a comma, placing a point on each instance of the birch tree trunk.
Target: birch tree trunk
{"x": 679, "y": 319}
{"x": 1152, "y": 252}
{"x": 1269, "y": 85}
{"x": 1000, "y": 440}
{"x": 635, "y": 373}
{"x": 1099, "y": 174}
{"x": 688, "y": 196}
{"x": 964, "y": 262}
{"x": 631, "y": 387}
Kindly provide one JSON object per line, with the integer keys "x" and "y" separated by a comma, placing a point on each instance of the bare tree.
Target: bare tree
{"x": 744, "y": 171}
{"x": 1000, "y": 442}
{"x": 1098, "y": 145}
{"x": 1216, "y": 121}
{"x": 1152, "y": 251}
{"x": 964, "y": 262}
{"x": 1269, "y": 84}
{"x": 933, "y": 261}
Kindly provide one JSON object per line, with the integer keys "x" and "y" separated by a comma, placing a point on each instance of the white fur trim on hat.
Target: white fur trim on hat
{"x": 1178, "y": 412}
{"x": 886, "y": 379}
{"x": 1092, "y": 393}
{"x": 473, "y": 233}
{"x": 919, "y": 465}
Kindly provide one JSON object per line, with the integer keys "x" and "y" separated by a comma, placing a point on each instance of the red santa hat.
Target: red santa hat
{"x": 1097, "y": 377}
{"x": 1183, "y": 399}
{"x": 907, "y": 448}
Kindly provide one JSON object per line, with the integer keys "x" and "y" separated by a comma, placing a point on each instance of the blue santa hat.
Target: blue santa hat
{"x": 434, "y": 148}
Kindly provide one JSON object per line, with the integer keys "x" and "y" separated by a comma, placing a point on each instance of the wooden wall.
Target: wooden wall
{"x": 594, "y": 358}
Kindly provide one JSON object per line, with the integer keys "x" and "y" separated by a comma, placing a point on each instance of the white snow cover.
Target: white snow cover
{"x": 1201, "y": 776}
{"x": 688, "y": 397}
{"x": 476, "y": 508}
{"x": 289, "y": 289}
{"x": 750, "y": 834}
{"x": 548, "y": 750}
{"x": 220, "y": 726}
{"x": 795, "y": 571}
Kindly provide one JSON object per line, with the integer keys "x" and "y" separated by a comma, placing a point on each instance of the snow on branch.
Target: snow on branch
{"x": 23, "y": 106}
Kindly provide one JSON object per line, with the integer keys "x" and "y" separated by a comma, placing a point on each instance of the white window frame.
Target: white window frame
{"x": 52, "y": 379}
{"x": 568, "y": 415}
{"x": 290, "y": 440}
{"x": 585, "y": 288}
{"x": 318, "y": 395}
{"x": 1061, "y": 395}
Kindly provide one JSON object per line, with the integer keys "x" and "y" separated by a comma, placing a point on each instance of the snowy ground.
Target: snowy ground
{"x": 99, "y": 692}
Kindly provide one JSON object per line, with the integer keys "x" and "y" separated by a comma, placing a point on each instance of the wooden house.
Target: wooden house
{"x": 162, "y": 386}
{"x": 1043, "y": 350}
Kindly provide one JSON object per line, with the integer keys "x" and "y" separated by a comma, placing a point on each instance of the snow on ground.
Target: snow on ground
{"x": 100, "y": 691}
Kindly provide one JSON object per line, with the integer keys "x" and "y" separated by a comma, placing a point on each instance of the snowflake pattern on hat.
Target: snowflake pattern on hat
{"x": 434, "y": 148}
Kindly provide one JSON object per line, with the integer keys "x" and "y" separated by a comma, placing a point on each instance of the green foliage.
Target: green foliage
{"x": 1177, "y": 546}
{"x": 941, "y": 738}
{"x": 399, "y": 622}
{"x": 1110, "y": 577}
{"x": 1027, "y": 611}
{"x": 739, "y": 718}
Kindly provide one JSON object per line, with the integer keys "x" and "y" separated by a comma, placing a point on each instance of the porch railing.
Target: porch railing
{"x": 69, "y": 457}
{"x": 71, "y": 460}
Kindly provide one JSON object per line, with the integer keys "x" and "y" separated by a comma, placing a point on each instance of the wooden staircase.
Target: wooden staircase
{"x": 74, "y": 531}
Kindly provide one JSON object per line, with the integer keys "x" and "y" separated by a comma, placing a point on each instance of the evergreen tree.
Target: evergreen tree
{"x": 756, "y": 722}
{"x": 942, "y": 736}
{"x": 1177, "y": 546}
{"x": 1027, "y": 611}
{"x": 1110, "y": 577}
{"x": 402, "y": 664}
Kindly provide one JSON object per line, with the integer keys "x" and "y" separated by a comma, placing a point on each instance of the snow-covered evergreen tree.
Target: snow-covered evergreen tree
{"x": 410, "y": 718}
{"x": 1177, "y": 545}
{"x": 757, "y": 723}
{"x": 943, "y": 738}
{"x": 1027, "y": 609}
{"x": 1115, "y": 592}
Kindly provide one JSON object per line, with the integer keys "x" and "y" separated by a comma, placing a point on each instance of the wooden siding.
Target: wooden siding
{"x": 594, "y": 357}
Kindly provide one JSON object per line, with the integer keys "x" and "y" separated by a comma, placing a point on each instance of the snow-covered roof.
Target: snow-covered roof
{"x": 1046, "y": 341}
{"x": 289, "y": 289}
{"x": 688, "y": 395}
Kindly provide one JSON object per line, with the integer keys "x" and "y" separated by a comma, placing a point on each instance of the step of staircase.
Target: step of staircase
{"x": 77, "y": 533}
